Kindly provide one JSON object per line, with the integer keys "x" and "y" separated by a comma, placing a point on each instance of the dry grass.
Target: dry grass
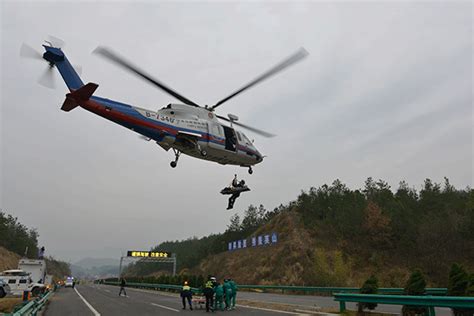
{"x": 8, "y": 259}
{"x": 7, "y": 304}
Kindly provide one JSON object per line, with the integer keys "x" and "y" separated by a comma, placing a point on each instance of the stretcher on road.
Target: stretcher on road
{"x": 199, "y": 301}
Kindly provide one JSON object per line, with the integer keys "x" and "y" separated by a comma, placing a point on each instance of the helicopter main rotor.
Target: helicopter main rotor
{"x": 292, "y": 59}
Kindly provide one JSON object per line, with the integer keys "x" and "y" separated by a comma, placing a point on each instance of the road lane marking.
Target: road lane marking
{"x": 166, "y": 307}
{"x": 87, "y": 303}
{"x": 270, "y": 310}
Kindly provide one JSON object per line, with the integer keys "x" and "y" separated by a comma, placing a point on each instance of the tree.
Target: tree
{"x": 459, "y": 282}
{"x": 377, "y": 226}
{"x": 234, "y": 225}
{"x": 416, "y": 285}
{"x": 370, "y": 286}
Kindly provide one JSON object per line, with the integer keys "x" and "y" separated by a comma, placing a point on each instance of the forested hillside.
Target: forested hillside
{"x": 333, "y": 235}
{"x": 15, "y": 238}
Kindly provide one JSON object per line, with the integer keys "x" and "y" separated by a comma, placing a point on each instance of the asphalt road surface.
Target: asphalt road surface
{"x": 98, "y": 300}
{"x": 95, "y": 300}
{"x": 310, "y": 302}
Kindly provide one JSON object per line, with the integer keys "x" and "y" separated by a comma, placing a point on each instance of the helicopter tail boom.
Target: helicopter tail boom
{"x": 56, "y": 57}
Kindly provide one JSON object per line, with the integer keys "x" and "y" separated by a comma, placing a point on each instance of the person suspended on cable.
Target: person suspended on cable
{"x": 234, "y": 189}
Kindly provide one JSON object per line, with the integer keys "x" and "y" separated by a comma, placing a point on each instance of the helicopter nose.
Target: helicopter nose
{"x": 259, "y": 157}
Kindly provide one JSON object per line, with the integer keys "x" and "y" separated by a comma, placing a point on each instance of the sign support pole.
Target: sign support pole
{"x": 174, "y": 263}
{"x": 120, "y": 268}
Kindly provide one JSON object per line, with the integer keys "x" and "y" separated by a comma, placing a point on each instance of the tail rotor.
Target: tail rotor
{"x": 47, "y": 79}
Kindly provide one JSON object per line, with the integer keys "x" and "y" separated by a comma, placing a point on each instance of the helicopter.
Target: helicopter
{"x": 186, "y": 127}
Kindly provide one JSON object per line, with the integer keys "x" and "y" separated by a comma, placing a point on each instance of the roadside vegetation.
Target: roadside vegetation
{"x": 336, "y": 236}
{"x": 16, "y": 237}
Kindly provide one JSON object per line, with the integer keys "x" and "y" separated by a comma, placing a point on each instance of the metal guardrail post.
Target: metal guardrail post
{"x": 431, "y": 311}
{"x": 342, "y": 306}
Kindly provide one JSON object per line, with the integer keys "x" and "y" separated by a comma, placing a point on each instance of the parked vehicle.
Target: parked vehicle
{"x": 4, "y": 288}
{"x": 20, "y": 281}
{"x": 35, "y": 267}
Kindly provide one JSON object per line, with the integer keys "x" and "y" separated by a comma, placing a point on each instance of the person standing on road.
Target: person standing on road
{"x": 233, "y": 286}
{"x": 122, "y": 287}
{"x": 186, "y": 293}
{"x": 227, "y": 293}
{"x": 219, "y": 297}
{"x": 208, "y": 292}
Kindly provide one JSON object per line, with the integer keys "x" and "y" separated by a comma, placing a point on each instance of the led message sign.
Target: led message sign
{"x": 148, "y": 254}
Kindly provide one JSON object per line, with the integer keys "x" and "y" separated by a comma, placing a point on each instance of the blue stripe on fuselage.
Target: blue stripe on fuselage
{"x": 129, "y": 110}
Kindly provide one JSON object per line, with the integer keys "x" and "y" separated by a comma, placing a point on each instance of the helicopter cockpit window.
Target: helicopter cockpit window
{"x": 246, "y": 139}
{"x": 238, "y": 136}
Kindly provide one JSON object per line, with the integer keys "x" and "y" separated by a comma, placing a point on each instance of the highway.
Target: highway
{"x": 104, "y": 300}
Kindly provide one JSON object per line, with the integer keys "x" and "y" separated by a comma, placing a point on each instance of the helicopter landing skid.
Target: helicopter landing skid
{"x": 177, "y": 153}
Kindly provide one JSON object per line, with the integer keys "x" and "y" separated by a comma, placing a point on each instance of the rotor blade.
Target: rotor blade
{"x": 47, "y": 78}
{"x": 56, "y": 42}
{"x": 107, "y": 53}
{"x": 300, "y": 54}
{"x": 253, "y": 129}
{"x": 29, "y": 52}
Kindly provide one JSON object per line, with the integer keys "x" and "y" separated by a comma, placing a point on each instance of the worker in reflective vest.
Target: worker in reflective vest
{"x": 209, "y": 294}
{"x": 187, "y": 294}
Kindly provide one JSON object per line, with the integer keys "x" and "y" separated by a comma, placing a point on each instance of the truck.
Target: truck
{"x": 35, "y": 267}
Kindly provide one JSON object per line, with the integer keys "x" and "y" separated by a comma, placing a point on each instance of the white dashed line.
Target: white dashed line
{"x": 87, "y": 303}
{"x": 166, "y": 307}
{"x": 270, "y": 310}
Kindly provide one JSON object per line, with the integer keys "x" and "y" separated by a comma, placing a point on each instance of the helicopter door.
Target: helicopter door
{"x": 230, "y": 138}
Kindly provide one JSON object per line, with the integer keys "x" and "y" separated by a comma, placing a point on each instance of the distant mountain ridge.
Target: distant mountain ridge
{"x": 91, "y": 268}
{"x": 87, "y": 263}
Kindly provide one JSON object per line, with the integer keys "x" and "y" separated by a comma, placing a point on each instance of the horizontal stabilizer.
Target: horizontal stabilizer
{"x": 85, "y": 92}
{"x": 69, "y": 104}
{"x": 82, "y": 94}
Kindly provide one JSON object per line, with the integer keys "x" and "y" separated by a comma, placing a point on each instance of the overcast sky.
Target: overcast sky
{"x": 385, "y": 92}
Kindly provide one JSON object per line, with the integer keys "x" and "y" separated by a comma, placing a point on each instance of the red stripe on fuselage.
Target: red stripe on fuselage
{"x": 117, "y": 116}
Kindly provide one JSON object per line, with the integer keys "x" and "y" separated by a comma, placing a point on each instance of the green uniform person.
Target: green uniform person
{"x": 227, "y": 293}
{"x": 219, "y": 290}
{"x": 233, "y": 286}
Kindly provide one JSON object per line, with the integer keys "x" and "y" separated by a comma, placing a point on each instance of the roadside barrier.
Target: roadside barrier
{"x": 331, "y": 290}
{"x": 32, "y": 307}
{"x": 426, "y": 301}
{"x": 283, "y": 288}
{"x": 154, "y": 286}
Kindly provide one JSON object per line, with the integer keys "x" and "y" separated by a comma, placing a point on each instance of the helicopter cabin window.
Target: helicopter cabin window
{"x": 238, "y": 136}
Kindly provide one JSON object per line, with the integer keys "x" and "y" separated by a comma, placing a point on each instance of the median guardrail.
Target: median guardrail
{"x": 32, "y": 307}
{"x": 283, "y": 288}
{"x": 155, "y": 286}
{"x": 426, "y": 301}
